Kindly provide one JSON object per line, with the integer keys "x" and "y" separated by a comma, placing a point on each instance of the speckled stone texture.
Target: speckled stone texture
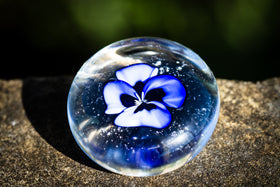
{"x": 37, "y": 147}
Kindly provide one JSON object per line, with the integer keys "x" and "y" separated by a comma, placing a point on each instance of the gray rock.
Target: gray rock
{"x": 37, "y": 147}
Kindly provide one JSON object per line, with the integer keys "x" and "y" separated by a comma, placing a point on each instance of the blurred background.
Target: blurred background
{"x": 238, "y": 39}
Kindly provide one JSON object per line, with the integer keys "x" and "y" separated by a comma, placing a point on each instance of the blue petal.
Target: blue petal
{"x": 174, "y": 90}
{"x": 159, "y": 117}
{"x": 135, "y": 73}
{"x": 112, "y": 95}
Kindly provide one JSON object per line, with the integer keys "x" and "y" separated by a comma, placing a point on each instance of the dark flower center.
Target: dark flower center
{"x": 156, "y": 94}
{"x": 139, "y": 87}
{"x": 145, "y": 106}
{"x": 127, "y": 100}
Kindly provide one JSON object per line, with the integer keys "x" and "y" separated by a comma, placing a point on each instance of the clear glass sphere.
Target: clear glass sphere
{"x": 143, "y": 106}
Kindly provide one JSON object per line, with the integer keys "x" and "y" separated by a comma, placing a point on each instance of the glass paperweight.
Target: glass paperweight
{"x": 143, "y": 106}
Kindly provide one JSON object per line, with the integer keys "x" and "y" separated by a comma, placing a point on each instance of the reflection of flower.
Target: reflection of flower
{"x": 140, "y": 97}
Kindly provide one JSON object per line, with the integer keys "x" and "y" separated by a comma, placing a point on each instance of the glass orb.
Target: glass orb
{"x": 143, "y": 106}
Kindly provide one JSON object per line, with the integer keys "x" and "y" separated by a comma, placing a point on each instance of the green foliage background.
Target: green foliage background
{"x": 238, "y": 39}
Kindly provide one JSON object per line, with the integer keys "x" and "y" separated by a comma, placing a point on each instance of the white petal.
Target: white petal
{"x": 137, "y": 72}
{"x": 156, "y": 118}
{"x": 112, "y": 92}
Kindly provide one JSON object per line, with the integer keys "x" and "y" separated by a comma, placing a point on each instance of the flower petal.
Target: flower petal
{"x": 174, "y": 91}
{"x": 159, "y": 117}
{"x": 135, "y": 73}
{"x": 112, "y": 95}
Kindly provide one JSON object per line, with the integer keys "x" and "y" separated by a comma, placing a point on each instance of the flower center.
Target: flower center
{"x": 140, "y": 100}
{"x": 137, "y": 102}
{"x": 145, "y": 105}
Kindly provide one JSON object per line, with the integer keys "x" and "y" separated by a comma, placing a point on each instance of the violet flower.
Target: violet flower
{"x": 141, "y": 98}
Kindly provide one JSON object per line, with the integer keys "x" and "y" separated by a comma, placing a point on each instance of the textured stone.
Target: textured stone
{"x": 37, "y": 147}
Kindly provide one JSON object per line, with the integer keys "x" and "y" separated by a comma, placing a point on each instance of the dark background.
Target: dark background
{"x": 238, "y": 39}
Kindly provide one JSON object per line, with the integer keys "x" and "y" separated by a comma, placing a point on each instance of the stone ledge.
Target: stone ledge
{"x": 37, "y": 147}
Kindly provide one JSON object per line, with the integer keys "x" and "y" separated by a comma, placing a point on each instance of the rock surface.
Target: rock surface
{"x": 37, "y": 147}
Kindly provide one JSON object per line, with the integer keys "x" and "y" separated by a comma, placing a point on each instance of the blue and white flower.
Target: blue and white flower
{"x": 141, "y": 98}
